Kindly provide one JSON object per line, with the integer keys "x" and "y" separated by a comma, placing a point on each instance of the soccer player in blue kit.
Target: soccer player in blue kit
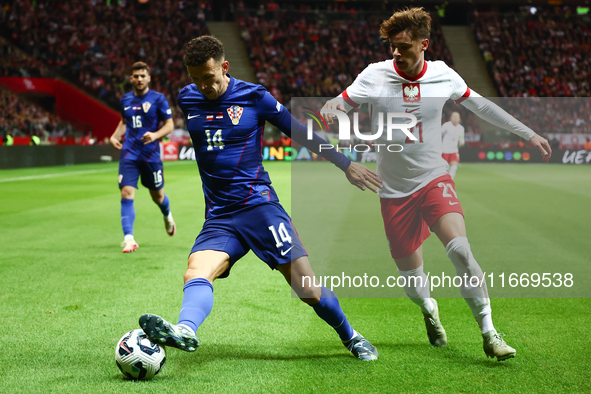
{"x": 225, "y": 117}
{"x": 141, "y": 112}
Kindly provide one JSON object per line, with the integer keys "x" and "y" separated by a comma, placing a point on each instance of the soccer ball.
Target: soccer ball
{"x": 137, "y": 357}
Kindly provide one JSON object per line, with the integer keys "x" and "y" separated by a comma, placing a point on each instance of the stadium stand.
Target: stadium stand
{"x": 15, "y": 63}
{"x": 309, "y": 52}
{"x": 23, "y": 120}
{"x": 302, "y": 53}
{"x": 541, "y": 54}
{"x": 295, "y": 51}
{"x": 92, "y": 44}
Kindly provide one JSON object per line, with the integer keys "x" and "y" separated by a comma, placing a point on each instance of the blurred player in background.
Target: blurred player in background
{"x": 417, "y": 193}
{"x": 452, "y": 136}
{"x": 225, "y": 117}
{"x": 141, "y": 112}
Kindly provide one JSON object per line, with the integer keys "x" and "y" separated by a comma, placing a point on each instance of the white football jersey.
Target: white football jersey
{"x": 450, "y": 136}
{"x": 385, "y": 89}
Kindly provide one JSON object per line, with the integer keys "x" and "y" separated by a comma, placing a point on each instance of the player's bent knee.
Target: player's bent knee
{"x": 208, "y": 264}
{"x": 458, "y": 250}
{"x": 309, "y": 295}
{"x": 190, "y": 274}
{"x": 311, "y": 301}
{"x": 127, "y": 194}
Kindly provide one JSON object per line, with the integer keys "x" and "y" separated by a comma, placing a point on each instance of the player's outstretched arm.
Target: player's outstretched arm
{"x": 166, "y": 129}
{"x": 497, "y": 116}
{"x": 117, "y": 135}
{"x": 279, "y": 116}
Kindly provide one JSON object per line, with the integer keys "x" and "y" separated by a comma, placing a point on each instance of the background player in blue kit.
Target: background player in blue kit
{"x": 141, "y": 112}
{"x": 225, "y": 117}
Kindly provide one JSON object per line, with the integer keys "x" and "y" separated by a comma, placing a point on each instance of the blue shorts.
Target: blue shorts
{"x": 265, "y": 228}
{"x": 152, "y": 174}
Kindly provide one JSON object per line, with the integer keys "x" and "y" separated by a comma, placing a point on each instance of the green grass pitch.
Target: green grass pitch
{"x": 68, "y": 293}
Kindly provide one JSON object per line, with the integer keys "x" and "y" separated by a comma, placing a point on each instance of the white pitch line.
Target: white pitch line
{"x": 27, "y": 178}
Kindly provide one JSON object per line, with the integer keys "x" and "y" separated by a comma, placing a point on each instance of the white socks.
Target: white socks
{"x": 417, "y": 288}
{"x": 452, "y": 171}
{"x": 475, "y": 291}
{"x": 128, "y": 237}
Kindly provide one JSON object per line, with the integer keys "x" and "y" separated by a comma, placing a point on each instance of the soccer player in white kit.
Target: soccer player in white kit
{"x": 452, "y": 136}
{"x": 418, "y": 194}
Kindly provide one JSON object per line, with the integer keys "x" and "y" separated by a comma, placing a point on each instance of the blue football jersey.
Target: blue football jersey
{"x": 227, "y": 135}
{"x": 143, "y": 114}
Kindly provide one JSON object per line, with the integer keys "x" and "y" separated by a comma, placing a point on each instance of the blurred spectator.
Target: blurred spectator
{"x": 23, "y": 119}
{"x": 305, "y": 52}
{"x": 93, "y": 43}
{"x": 551, "y": 114}
{"x": 537, "y": 55}
{"x": 15, "y": 63}
{"x": 318, "y": 51}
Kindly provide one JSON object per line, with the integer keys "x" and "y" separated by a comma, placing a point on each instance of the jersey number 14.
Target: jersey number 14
{"x": 283, "y": 234}
{"x": 216, "y": 140}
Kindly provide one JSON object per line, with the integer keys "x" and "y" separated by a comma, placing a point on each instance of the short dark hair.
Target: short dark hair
{"x": 415, "y": 19}
{"x": 199, "y": 50}
{"x": 140, "y": 66}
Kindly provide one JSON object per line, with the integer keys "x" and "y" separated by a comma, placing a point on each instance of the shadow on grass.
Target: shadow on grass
{"x": 456, "y": 354}
{"x": 139, "y": 383}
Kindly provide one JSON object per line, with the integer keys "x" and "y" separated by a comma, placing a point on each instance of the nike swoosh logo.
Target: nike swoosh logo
{"x": 284, "y": 252}
{"x": 126, "y": 108}
{"x": 453, "y": 203}
{"x": 191, "y": 117}
{"x": 412, "y": 110}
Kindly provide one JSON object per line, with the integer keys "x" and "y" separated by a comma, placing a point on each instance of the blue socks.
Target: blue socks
{"x": 329, "y": 310}
{"x": 197, "y": 303}
{"x": 165, "y": 206}
{"x": 127, "y": 216}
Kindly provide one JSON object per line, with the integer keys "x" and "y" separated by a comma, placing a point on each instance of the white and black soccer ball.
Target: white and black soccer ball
{"x": 137, "y": 357}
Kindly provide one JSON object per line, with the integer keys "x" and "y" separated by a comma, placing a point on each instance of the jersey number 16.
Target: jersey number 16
{"x": 137, "y": 121}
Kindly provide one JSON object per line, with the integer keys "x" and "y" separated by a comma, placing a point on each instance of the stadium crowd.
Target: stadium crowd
{"x": 551, "y": 114}
{"x": 93, "y": 43}
{"x": 15, "y": 63}
{"x": 542, "y": 54}
{"x": 295, "y": 51}
{"x": 307, "y": 52}
{"x": 20, "y": 118}
{"x": 304, "y": 52}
